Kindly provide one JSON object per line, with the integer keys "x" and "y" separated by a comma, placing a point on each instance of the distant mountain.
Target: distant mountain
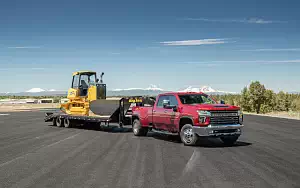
{"x": 36, "y": 92}
{"x": 207, "y": 90}
{"x": 152, "y": 90}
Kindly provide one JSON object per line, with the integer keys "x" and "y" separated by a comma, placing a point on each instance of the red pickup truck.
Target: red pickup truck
{"x": 189, "y": 115}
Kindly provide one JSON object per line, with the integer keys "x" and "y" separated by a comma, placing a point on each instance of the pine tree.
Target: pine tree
{"x": 256, "y": 95}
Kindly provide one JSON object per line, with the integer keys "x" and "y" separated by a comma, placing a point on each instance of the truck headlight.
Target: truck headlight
{"x": 203, "y": 114}
{"x": 241, "y": 117}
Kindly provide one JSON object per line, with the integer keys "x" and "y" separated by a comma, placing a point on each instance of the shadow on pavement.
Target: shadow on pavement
{"x": 217, "y": 143}
{"x": 203, "y": 142}
{"x": 108, "y": 129}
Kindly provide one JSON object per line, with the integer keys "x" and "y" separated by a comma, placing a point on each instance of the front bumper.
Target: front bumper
{"x": 218, "y": 130}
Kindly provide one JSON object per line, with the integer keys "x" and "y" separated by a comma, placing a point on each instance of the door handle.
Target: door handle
{"x": 154, "y": 110}
{"x": 166, "y": 111}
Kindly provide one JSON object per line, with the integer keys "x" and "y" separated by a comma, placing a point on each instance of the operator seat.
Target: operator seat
{"x": 83, "y": 88}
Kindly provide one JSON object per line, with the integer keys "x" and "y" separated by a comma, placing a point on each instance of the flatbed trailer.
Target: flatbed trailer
{"x": 118, "y": 112}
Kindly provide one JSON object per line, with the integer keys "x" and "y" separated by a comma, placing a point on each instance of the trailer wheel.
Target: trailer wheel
{"x": 54, "y": 122}
{"x": 67, "y": 123}
{"x": 59, "y": 122}
{"x": 188, "y": 137}
{"x": 137, "y": 129}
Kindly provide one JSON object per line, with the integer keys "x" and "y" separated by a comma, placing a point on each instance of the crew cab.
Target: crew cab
{"x": 189, "y": 115}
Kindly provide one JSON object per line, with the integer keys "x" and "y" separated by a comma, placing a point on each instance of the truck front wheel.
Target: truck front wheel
{"x": 188, "y": 137}
{"x": 138, "y": 130}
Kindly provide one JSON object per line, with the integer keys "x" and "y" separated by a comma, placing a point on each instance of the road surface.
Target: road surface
{"x": 33, "y": 154}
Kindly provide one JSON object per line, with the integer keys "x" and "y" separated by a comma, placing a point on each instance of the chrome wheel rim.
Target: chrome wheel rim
{"x": 135, "y": 128}
{"x": 188, "y": 135}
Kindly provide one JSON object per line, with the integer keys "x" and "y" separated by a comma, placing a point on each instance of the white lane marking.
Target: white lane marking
{"x": 22, "y": 156}
{"x": 62, "y": 140}
{"x": 4, "y": 114}
{"x": 191, "y": 163}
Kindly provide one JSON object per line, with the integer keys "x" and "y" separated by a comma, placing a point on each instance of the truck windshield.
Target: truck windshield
{"x": 196, "y": 99}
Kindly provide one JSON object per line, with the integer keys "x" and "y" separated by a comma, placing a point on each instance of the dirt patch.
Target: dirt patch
{"x": 26, "y": 107}
{"x": 287, "y": 115}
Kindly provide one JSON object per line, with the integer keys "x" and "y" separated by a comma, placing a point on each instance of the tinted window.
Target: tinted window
{"x": 84, "y": 80}
{"x": 75, "y": 81}
{"x": 160, "y": 101}
{"x": 196, "y": 99}
{"x": 171, "y": 98}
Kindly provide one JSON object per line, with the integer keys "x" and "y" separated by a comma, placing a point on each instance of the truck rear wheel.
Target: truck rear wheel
{"x": 137, "y": 129}
{"x": 188, "y": 137}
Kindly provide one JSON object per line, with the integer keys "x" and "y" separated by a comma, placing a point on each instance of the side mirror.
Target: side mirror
{"x": 222, "y": 102}
{"x": 97, "y": 80}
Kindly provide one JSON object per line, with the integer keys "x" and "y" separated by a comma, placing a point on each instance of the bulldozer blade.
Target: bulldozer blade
{"x": 103, "y": 107}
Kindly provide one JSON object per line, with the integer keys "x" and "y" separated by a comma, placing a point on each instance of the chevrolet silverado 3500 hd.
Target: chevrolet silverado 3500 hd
{"x": 189, "y": 115}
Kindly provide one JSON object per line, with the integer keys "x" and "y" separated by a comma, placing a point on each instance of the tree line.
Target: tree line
{"x": 256, "y": 98}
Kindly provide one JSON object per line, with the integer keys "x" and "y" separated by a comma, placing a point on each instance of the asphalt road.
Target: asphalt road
{"x": 33, "y": 154}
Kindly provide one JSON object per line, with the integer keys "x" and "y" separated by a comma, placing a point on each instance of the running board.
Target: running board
{"x": 164, "y": 132}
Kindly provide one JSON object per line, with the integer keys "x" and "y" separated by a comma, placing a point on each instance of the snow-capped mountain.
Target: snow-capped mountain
{"x": 151, "y": 90}
{"x": 35, "y": 90}
{"x": 206, "y": 89}
{"x": 152, "y": 87}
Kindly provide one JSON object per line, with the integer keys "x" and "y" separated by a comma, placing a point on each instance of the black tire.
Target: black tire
{"x": 229, "y": 140}
{"x": 187, "y": 136}
{"x": 59, "y": 122}
{"x": 67, "y": 123}
{"x": 54, "y": 122}
{"x": 137, "y": 129}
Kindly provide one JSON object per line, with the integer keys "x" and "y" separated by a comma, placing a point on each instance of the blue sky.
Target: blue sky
{"x": 172, "y": 44}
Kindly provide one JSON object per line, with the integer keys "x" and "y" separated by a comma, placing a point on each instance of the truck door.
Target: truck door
{"x": 159, "y": 115}
{"x": 171, "y": 117}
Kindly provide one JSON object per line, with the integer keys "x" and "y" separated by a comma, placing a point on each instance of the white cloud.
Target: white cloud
{"x": 274, "y": 50}
{"x": 249, "y": 20}
{"x": 24, "y": 47}
{"x": 193, "y": 42}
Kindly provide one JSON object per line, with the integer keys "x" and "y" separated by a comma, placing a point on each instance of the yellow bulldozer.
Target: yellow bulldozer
{"x": 88, "y": 103}
{"x": 85, "y": 89}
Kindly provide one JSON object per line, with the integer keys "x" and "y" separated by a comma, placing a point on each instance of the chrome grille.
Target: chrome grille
{"x": 224, "y": 117}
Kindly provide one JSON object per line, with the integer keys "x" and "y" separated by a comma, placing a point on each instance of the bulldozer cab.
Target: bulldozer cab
{"x": 85, "y": 85}
{"x": 82, "y": 81}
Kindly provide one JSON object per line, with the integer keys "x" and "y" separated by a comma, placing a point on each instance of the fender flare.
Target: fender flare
{"x": 134, "y": 117}
{"x": 186, "y": 117}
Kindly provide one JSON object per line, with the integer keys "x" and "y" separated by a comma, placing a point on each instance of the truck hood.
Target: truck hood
{"x": 213, "y": 107}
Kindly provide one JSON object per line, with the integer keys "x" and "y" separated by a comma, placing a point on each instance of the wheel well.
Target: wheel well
{"x": 184, "y": 121}
{"x": 134, "y": 118}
